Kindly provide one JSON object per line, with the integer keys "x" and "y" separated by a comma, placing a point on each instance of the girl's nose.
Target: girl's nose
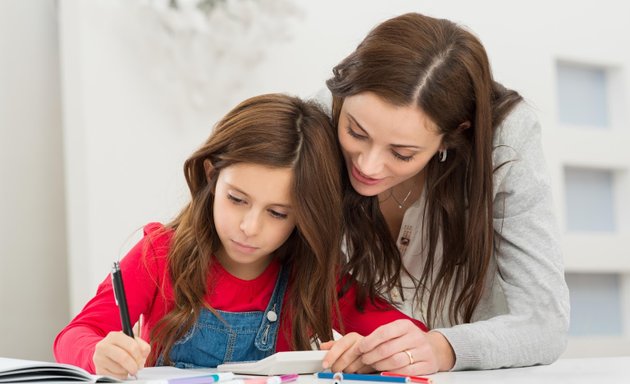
{"x": 250, "y": 224}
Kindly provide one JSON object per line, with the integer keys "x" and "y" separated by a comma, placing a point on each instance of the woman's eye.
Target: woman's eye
{"x": 278, "y": 215}
{"x": 235, "y": 199}
{"x": 401, "y": 157}
{"x": 355, "y": 135}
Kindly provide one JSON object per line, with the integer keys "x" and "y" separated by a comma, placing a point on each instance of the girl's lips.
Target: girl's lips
{"x": 363, "y": 179}
{"x": 244, "y": 247}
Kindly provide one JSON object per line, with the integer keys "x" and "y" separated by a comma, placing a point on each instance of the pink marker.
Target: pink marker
{"x": 273, "y": 379}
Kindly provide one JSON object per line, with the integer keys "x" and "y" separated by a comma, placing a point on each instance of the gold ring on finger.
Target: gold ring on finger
{"x": 408, "y": 352}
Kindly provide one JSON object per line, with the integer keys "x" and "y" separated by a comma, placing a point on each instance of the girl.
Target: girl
{"x": 449, "y": 198}
{"x": 248, "y": 267}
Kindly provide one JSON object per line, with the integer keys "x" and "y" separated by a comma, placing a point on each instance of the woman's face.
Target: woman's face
{"x": 383, "y": 144}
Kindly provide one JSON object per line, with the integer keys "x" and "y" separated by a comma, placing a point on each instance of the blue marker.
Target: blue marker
{"x": 339, "y": 377}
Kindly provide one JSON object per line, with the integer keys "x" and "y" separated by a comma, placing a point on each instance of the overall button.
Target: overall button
{"x": 272, "y": 316}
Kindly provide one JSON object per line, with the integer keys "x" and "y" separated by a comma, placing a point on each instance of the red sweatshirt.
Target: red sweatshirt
{"x": 149, "y": 292}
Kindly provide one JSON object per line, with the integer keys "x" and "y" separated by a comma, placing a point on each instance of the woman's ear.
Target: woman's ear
{"x": 209, "y": 169}
{"x": 464, "y": 125}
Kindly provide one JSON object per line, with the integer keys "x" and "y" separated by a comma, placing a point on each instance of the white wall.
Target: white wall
{"x": 129, "y": 122}
{"x": 33, "y": 270}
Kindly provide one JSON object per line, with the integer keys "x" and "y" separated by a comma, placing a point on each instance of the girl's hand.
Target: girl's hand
{"x": 118, "y": 355}
{"x": 402, "y": 347}
{"x": 344, "y": 356}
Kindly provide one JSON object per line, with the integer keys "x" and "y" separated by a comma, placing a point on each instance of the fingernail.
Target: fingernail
{"x": 325, "y": 364}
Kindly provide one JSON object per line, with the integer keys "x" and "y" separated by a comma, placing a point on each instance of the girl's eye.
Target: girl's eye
{"x": 355, "y": 134}
{"x": 401, "y": 157}
{"x": 278, "y": 215}
{"x": 235, "y": 199}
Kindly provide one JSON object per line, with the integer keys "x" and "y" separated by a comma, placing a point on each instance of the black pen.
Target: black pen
{"x": 121, "y": 299}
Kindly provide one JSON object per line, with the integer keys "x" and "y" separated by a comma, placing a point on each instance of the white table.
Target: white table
{"x": 605, "y": 370}
{"x": 608, "y": 370}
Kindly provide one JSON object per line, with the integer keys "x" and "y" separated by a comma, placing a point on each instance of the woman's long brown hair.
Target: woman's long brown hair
{"x": 442, "y": 69}
{"x": 273, "y": 130}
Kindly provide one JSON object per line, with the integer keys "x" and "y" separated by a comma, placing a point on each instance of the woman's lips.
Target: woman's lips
{"x": 363, "y": 179}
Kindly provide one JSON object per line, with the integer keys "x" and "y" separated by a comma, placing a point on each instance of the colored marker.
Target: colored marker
{"x": 339, "y": 377}
{"x": 273, "y": 379}
{"x": 413, "y": 379}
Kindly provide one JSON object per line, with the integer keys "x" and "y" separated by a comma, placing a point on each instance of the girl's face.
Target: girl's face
{"x": 253, "y": 216}
{"x": 383, "y": 144}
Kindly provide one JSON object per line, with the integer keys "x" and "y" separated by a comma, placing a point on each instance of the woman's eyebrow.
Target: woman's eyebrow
{"x": 357, "y": 123}
{"x": 404, "y": 146}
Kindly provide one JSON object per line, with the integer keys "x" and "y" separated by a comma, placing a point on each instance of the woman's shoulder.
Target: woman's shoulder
{"x": 518, "y": 154}
{"x": 520, "y": 124}
{"x": 517, "y": 135}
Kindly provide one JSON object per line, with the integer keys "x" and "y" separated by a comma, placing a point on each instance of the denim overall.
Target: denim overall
{"x": 238, "y": 336}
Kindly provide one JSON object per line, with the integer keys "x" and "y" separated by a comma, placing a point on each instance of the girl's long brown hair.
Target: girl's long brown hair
{"x": 273, "y": 130}
{"x": 442, "y": 69}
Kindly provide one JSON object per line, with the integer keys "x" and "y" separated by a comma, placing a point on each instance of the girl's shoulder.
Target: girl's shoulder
{"x": 158, "y": 233}
{"x": 155, "y": 244}
{"x": 147, "y": 260}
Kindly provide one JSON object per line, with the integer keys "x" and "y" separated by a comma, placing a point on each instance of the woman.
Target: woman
{"x": 448, "y": 208}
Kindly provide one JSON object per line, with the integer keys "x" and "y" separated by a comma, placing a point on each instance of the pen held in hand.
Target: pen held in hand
{"x": 121, "y": 299}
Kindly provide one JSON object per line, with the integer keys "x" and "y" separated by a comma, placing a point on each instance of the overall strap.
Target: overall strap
{"x": 267, "y": 333}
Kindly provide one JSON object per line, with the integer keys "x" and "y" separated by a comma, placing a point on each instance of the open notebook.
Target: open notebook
{"x": 29, "y": 371}
{"x": 25, "y": 371}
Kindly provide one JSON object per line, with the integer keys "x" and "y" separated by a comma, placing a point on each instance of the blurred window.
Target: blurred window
{"x": 595, "y": 304}
{"x": 582, "y": 95}
{"x": 589, "y": 199}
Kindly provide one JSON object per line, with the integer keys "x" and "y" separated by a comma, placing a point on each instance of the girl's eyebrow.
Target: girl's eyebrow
{"x": 237, "y": 189}
{"x": 403, "y": 146}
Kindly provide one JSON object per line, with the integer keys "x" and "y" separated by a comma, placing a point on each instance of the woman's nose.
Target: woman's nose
{"x": 370, "y": 162}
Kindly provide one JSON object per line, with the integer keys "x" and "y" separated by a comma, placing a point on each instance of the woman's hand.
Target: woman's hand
{"x": 402, "y": 347}
{"x": 344, "y": 356}
{"x": 118, "y": 355}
